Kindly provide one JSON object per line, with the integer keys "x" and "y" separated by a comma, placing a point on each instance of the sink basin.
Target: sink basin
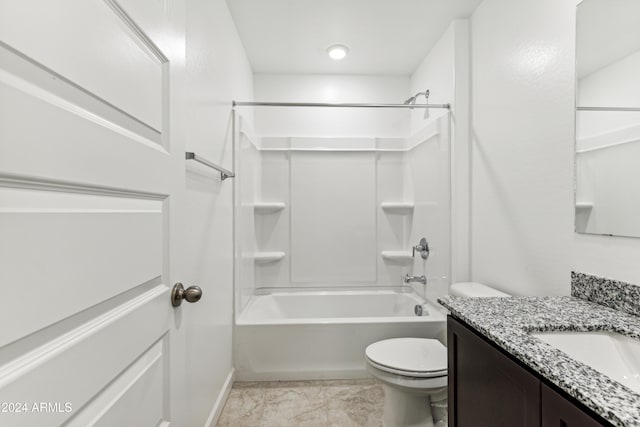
{"x": 614, "y": 355}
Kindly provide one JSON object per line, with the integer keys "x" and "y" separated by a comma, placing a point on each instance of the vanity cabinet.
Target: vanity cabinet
{"x": 487, "y": 388}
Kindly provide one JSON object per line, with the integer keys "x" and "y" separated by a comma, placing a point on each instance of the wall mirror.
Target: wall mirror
{"x": 608, "y": 117}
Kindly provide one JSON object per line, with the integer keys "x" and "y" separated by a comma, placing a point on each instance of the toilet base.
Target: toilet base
{"x": 410, "y": 409}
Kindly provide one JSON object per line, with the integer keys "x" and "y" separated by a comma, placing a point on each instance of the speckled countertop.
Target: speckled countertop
{"x": 507, "y": 321}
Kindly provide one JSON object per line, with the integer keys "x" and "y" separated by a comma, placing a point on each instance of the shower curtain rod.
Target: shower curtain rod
{"x": 329, "y": 104}
{"x": 607, "y": 108}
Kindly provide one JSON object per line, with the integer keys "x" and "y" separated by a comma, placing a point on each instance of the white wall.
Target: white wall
{"x": 394, "y": 172}
{"x": 428, "y": 184}
{"x": 248, "y": 168}
{"x": 273, "y": 229}
{"x": 445, "y": 72}
{"x": 333, "y": 217}
{"x": 288, "y": 177}
{"x": 299, "y": 121}
{"x": 429, "y": 181}
{"x": 436, "y": 72}
{"x": 522, "y": 147}
{"x": 218, "y": 72}
{"x": 522, "y": 172}
{"x": 332, "y": 228}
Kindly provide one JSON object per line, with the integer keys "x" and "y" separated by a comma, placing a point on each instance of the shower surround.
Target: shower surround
{"x": 321, "y": 215}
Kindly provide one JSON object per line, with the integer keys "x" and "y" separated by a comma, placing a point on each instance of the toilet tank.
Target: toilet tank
{"x": 474, "y": 289}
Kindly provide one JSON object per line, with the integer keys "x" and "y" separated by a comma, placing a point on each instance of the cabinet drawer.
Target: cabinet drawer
{"x": 560, "y": 412}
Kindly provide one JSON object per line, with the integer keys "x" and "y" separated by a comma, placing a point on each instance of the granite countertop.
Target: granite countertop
{"x": 507, "y": 321}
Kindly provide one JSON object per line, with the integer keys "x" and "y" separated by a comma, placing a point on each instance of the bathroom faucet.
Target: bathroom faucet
{"x": 419, "y": 279}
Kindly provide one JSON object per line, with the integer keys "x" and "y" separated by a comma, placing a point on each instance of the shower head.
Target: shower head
{"x": 410, "y": 101}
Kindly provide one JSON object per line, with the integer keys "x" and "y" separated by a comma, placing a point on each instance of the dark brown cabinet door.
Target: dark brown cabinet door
{"x": 486, "y": 388}
{"x": 559, "y": 412}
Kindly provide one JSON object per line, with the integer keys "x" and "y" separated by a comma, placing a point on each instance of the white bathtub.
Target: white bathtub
{"x": 298, "y": 335}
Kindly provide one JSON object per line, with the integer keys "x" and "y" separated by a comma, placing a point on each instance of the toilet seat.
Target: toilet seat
{"x": 409, "y": 357}
{"x": 412, "y": 374}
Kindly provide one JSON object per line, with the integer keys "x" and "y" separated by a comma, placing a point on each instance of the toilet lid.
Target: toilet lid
{"x": 410, "y": 355}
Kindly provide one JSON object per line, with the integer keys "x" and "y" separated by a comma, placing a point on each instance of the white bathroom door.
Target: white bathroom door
{"x": 91, "y": 181}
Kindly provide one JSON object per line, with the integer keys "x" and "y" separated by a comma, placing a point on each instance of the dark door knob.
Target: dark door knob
{"x": 179, "y": 293}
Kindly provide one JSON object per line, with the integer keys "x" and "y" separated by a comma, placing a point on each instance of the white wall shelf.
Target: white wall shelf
{"x": 398, "y": 207}
{"x": 268, "y": 207}
{"x": 267, "y": 257}
{"x": 584, "y": 206}
{"x": 397, "y": 256}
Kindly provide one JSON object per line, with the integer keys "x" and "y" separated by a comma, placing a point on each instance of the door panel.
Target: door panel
{"x": 91, "y": 165}
{"x": 74, "y": 366}
{"x": 82, "y": 242}
{"x": 152, "y": 17}
{"x": 89, "y": 44}
{"x": 141, "y": 386}
{"x": 52, "y": 129}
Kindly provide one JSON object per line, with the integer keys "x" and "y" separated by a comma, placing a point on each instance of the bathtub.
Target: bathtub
{"x": 322, "y": 334}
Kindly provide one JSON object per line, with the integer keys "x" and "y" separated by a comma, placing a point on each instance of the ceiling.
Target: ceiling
{"x": 385, "y": 37}
{"x": 606, "y": 34}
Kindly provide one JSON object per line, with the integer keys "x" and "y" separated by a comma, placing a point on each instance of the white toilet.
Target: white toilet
{"x": 413, "y": 372}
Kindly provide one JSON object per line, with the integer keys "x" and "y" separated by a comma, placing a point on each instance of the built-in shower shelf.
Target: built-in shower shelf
{"x": 397, "y": 207}
{"x": 267, "y": 257}
{"x": 397, "y": 256}
{"x": 583, "y": 206}
{"x": 268, "y": 207}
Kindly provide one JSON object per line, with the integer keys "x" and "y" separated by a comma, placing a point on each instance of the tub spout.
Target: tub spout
{"x": 419, "y": 279}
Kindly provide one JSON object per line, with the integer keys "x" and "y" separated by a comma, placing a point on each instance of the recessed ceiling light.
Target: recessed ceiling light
{"x": 337, "y": 51}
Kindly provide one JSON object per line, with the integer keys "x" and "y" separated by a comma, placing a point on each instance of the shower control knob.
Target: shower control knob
{"x": 179, "y": 293}
{"x": 423, "y": 248}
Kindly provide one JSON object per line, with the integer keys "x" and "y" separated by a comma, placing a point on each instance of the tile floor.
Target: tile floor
{"x": 340, "y": 403}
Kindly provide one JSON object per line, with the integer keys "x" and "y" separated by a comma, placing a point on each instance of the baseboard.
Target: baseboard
{"x": 329, "y": 374}
{"x": 214, "y": 415}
